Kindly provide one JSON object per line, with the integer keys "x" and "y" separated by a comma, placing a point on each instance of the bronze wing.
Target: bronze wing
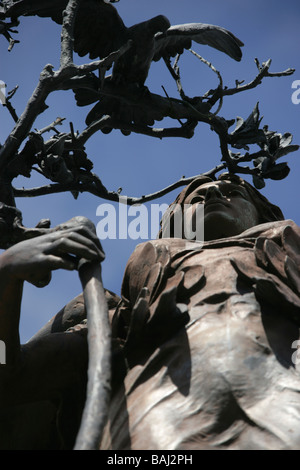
{"x": 180, "y": 37}
{"x": 99, "y": 30}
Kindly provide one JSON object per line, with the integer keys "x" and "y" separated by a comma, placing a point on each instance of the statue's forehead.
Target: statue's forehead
{"x": 221, "y": 184}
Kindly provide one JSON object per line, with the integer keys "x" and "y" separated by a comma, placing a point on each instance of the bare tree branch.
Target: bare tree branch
{"x": 5, "y": 29}
{"x": 101, "y": 191}
{"x": 51, "y": 127}
{"x": 67, "y": 36}
{"x": 49, "y": 81}
{"x": 210, "y": 65}
{"x": 8, "y": 104}
{"x": 70, "y": 76}
{"x": 263, "y": 73}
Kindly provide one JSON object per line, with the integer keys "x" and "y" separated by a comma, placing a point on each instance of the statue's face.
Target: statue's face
{"x": 228, "y": 210}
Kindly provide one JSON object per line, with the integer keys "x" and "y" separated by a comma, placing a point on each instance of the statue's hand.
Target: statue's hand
{"x": 33, "y": 260}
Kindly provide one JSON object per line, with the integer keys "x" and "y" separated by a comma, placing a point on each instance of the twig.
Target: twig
{"x": 5, "y": 29}
{"x": 8, "y": 104}
{"x": 170, "y": 68}
{"x": 51, "y": 127}
{"x": 174, "y": 71}
{"x": 12, "y": 42}
{"x": 33, "y": 108}
{"x": 210, "y": 65}
{"x": 185, "y": 131}
{"x": 105, "y": 63}
{"x": 67, "y": 37}
{"x": 263, "y": 72}
{"x": 83, "y": 137}
{"x": 111, "y": 195}
{"x": 73, "y": 136}
{"x": 165, "y": 91}
{"x": 11, "y": 110}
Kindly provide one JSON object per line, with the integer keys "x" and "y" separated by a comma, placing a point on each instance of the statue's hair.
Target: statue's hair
{"x": 267, "y": 211}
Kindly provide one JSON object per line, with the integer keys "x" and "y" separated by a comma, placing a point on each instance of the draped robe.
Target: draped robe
{"x": 205, "y": 335}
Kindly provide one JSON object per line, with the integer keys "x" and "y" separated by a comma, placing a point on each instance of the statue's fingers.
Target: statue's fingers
{"x": 65, "y": 245}
{"x": 42, "y": 276}
{"x": 81, "y": 225}
{"x": 83, "y": 239}
{"x": 89, "y": 234}
{"x": 61, "y": 262}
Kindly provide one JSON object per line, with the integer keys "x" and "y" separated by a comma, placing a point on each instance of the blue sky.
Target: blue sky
{"x": 140, "y": 164}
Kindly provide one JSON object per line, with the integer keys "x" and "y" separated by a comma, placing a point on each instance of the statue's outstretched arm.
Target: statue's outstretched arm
{"x": 33, "y": 260}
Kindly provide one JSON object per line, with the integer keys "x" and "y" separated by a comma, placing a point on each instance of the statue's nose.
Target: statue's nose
{"x": 213, "y": 192}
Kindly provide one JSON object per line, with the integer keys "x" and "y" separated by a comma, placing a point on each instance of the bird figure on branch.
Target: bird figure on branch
{"x": 99, "y": 30}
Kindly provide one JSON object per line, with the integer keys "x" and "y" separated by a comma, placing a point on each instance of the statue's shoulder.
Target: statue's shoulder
{"x": 270, "y": 229}
{"x": 154, "y": 253}
{"x": 170, "y": 245}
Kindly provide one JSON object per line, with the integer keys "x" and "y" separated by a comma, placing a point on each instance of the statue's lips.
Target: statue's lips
{"x": 214, "y": 202}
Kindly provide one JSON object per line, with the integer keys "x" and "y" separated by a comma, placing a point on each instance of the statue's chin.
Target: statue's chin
{"x": 221, "y": 224}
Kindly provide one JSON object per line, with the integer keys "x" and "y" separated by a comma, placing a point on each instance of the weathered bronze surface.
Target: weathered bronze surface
{"x": 203, "y": 338}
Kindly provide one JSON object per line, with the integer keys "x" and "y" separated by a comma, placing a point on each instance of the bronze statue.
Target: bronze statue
{"x": 202, "y": 336}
